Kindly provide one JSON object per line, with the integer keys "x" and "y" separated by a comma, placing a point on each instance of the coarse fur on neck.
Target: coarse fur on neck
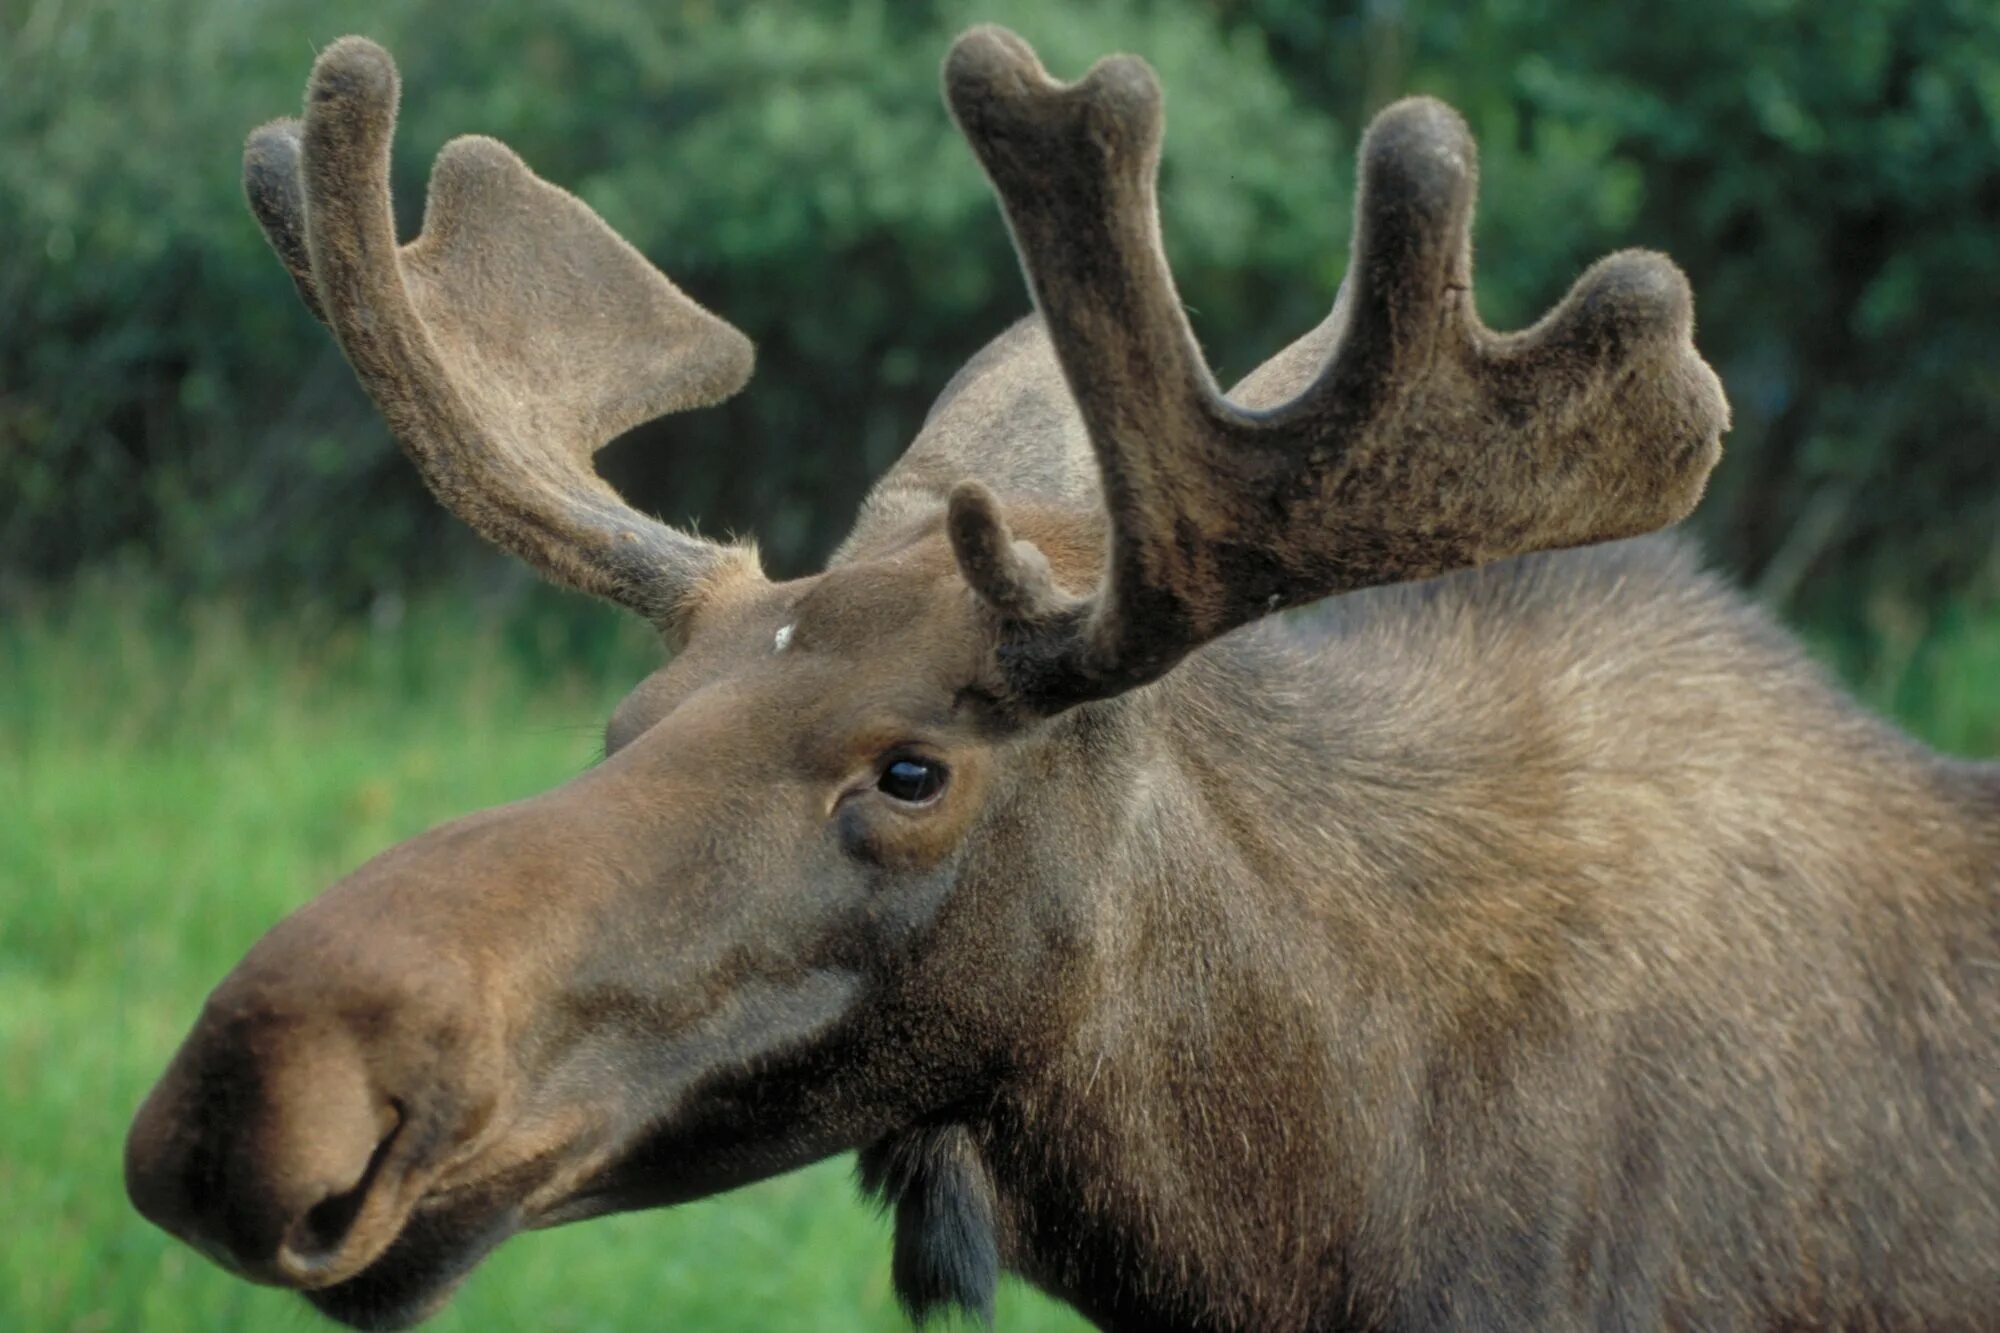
{"x": 947, "y": 1250}
{"x": 1411, "y": 795}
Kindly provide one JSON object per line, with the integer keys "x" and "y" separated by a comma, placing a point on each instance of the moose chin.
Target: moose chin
{"x": 1525, "y": 937}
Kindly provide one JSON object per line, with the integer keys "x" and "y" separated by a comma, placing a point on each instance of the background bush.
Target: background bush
{"x": 1828, "y": 175}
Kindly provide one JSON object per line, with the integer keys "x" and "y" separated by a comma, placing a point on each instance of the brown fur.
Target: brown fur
{"x": 1545, "y": 945}
{"x": 505, "y": 345}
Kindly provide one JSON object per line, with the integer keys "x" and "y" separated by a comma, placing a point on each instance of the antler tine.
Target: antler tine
{"x": 515, "y": 337}
{"x": 278, "y": 201}
{"x": 1427, "y": 443}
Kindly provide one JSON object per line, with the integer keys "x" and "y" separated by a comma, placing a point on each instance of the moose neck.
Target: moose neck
{"x": 1374, "y": 971}
{"x": 1287, "y": 868}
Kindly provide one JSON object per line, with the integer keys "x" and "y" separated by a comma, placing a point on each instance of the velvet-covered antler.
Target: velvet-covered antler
{"x": 507, "y": 344}
{"x": 1428, "y": 443}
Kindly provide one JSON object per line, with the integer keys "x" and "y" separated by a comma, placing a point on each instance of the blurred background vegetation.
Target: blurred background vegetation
{"x": 240, "y": 649}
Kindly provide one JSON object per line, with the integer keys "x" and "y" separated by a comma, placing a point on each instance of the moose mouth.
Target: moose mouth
{"x": 420, "y": 1270}
{"x": 450, "y": 1235}
{"x": 444, "y": 1240}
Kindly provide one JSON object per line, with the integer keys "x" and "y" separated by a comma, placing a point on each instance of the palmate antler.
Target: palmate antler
{"x": 1428, "y": 443}
{"x": 515, "y": 337}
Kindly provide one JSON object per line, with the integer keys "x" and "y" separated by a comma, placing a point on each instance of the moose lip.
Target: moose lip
{"x": 417, "y": 1274}
{"x": 450, "y": 1233}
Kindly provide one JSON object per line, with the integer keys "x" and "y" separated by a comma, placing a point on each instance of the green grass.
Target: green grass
{"x": 170, "y": 788}
{"x": 174, "y": 781}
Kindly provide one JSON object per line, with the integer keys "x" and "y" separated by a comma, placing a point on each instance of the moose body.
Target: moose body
{"x": 1525, "y": 937}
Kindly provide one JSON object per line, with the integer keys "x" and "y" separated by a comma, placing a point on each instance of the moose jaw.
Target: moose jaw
{"x": 1527, "y": 937}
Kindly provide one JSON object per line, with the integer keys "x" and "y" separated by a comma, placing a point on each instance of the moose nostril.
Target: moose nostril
{"x": 269, "y": 1146}
{"x": 314, "y": 1243}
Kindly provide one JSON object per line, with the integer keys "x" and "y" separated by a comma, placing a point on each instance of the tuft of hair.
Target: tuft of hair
{"x": 947, "y": 1251}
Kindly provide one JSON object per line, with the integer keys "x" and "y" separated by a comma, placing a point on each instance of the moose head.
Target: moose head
{"x": 860, "y": 858}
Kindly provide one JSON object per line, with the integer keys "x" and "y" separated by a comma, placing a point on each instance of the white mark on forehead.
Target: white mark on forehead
{"x": 782, "y": 639}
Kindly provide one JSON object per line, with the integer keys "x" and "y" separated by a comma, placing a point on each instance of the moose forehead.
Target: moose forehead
{"x": 886, "y": 641}
{"x": 913, "y": 596}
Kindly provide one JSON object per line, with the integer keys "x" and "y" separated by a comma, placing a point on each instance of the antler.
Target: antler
{"x": 1427, "y": 443}
{"x": 507, "y": 344}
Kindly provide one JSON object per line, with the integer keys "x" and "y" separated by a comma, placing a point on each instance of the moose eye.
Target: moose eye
{"x": 915, "y": 781}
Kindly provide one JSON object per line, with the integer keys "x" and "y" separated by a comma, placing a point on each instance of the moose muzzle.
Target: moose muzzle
{"x": 347, "y": 1067}
{"x": 294, "y": 1131}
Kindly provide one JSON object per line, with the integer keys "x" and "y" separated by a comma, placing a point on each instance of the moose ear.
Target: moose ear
{"x": 947, "y": 1252}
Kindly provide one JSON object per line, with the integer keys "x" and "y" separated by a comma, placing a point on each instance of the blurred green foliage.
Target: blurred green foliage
{"x": 1828, "y": 175}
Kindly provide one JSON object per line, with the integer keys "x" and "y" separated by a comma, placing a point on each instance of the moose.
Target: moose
{"x": 1527, "y": 937}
